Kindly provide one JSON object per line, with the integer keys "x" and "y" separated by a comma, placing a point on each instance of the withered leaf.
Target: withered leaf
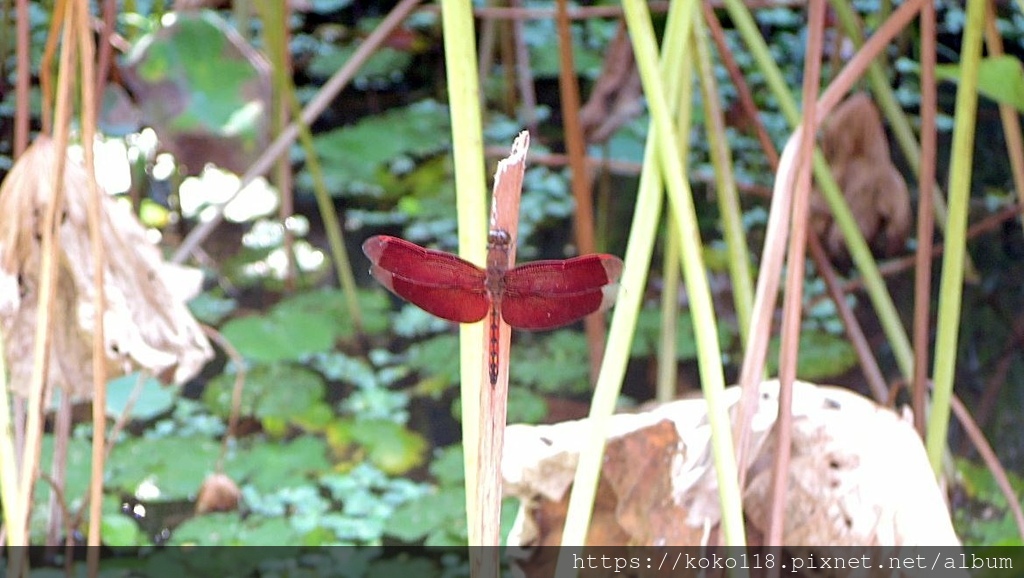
{"x": 146, "y": 323}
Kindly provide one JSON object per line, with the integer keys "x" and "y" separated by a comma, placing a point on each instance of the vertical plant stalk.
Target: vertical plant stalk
{"x": 662, "y": 151}
{"x": 778, "y": 221}
{"x": 274, "y": 17}
{"x": 873, "y": 282}
{"x": 9, "y": 486}
{"x": 53, "y": 36}
{"x": 275, "y": 13}
{"x": 725, "y": 184}
{"x": 792, "y": 308}
{"x": 1008, "y": 114}
{"x": 765, "y": 295}
{"x": 744, "y": 93}
{"x": 639, "y": 248}
{"x": 576, "y": 148}
{"x": 470, "y": 187}
{"x": 854, "y": 332}
{"x": 332, "y": 226}
{"x": 8, "y": 466}
{"x": 87, "y": 52}
{"x": 236, "y": 391}
{"x": 241, "y": 12}
{"x": 668, "y": 363}
{"x": 951, "y": 283}
{"x": 709, "y": 356}
{"x": 48, "y": 269}
{"x": 508, "y": 184}
{"x": 487, "y": 45}
{"x": 524, "y": 73}
{"x": 869, "y": 365}
{"x": 22, "y": 82}
{"x": 507, "y": 45}
{"x": 925, "y": 219}
{"x": 898, "y": 122}
{"x": 859, "y": 250}
{"x": 106, "y": 48}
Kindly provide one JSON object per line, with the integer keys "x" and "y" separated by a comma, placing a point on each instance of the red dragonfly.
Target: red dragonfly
{"x": 537, "y": 295}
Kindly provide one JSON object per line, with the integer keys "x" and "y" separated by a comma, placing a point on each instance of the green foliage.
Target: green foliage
{"x": 999, "y": 78}
{"x": 424, "y": 190}
{"x": 546, "y": 200}
{"x": 293, "y": 330}
{"x": 824, "y": 350}
{"x": 153, "y": 214}
{"x": 648, "y": 335}
{"x": 821, "y": 355}
{"x": 439, "y": 519}
{"x": 436, "y": 519}
{"x": 552, "y": 363}
{"x": 275, "y": 394}
{"x": 448, "y": 466}
{"x": 338, "y": 366}
{"x": 368, "y": 496}
{"x": 190, "y": 418}
{"x": 986, "y": 520}
{"x": 377, "y": 403}
{"x": 386, "y": 65}
{"x": 152, "y": 398}
{"x": 541, "y": 38}
{"x": 230, "y": 529}
{"x": 324, "y": 507}
{"x": 155, "y": 468}
{"x": 555, "y": 363}
{"x": 211, "y": 307}
{"x": 388, "y": 445}
{"x": 525, "y": 406}
{"x": 121, "y": 531}
{"x": 291, "y": 493}
{"x": 194, "y": 57}
{"x": 627, "y": 143}
{"x": 411, "y": 322}
{"x": 329, "y": 306}
{"x": 79, "y": 463}
{"x": 353, "y": 156}
{"x": 265, "y": 467}
{"x": 436, "y": 358}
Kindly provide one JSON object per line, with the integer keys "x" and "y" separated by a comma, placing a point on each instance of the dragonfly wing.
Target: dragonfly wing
{"x": 437, "y": 282}
{"x": 549, "y": 294}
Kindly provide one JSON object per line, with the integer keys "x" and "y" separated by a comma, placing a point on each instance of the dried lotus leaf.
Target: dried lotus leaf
{"x": 146, "y": 324}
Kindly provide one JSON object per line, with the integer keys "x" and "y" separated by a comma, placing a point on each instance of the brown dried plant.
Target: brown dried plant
{"x": 854, "y": 142}
{"x": 146, "y": 322}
